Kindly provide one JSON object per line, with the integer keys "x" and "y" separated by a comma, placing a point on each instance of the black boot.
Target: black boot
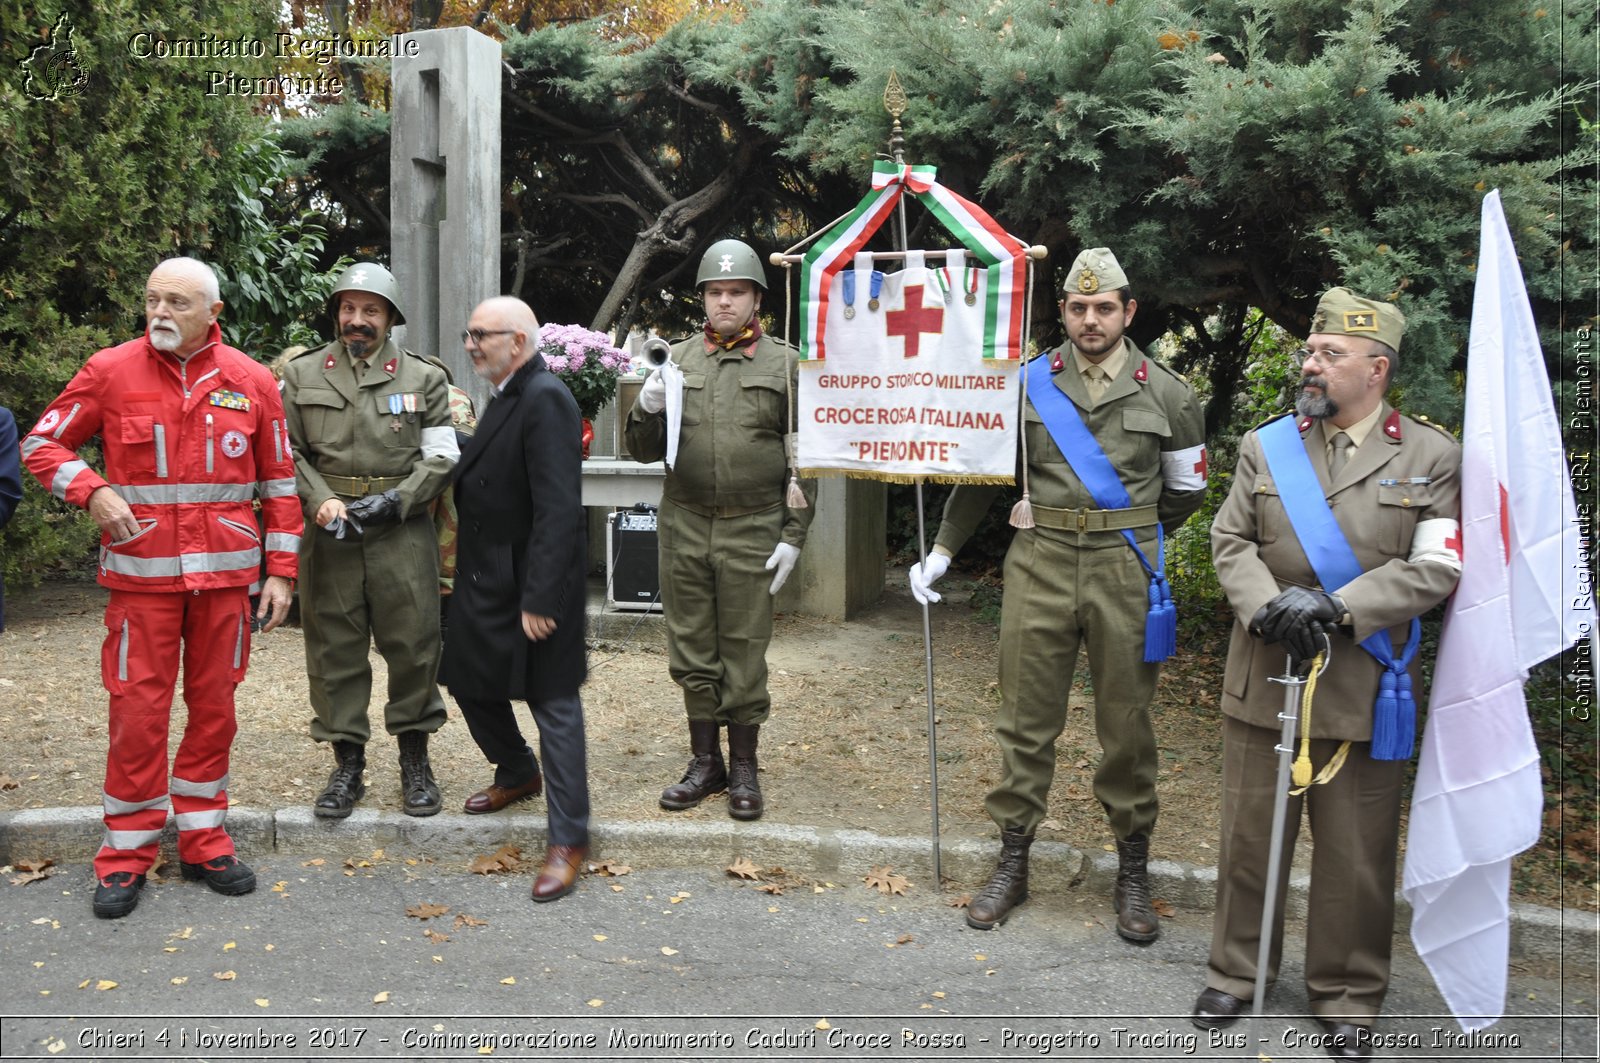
{"x": 344, "y": 787}
{"x": 419, "y": 793}
{"x": 1136, "y": 919}
{"x": 1007, "y": 887}
{"x": 744, "y": 789}
{"x": 706, "y": 774}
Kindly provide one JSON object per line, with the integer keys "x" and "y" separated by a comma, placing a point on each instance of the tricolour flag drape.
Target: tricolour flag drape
{"x": 1478, "y": 798}
{"x": 910, "y": 375}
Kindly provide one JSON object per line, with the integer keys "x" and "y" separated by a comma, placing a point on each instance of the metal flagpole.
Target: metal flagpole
{"x": 894, "y": 101}
{"x": 1293, "y": 686}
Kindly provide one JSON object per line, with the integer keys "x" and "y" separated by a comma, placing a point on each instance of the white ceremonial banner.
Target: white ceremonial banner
{"x": 905, "y": 392}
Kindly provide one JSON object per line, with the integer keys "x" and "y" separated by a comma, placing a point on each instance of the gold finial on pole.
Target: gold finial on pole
{"x": 894, "y": 97}
{"x": 895, "y": 102}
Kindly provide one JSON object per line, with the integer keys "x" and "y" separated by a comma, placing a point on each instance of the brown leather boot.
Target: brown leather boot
{"x": 744, "y": 789}
{"x": 706, "y": 774}
{"x": 1136, "y": 919}
{"x": 1007, "y": 887}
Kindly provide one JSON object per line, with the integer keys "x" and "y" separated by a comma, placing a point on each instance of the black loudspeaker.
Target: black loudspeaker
{"x": 633, "y": 577}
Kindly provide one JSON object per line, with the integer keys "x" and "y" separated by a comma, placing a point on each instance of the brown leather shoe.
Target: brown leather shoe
{"x": 1346, "y": 1040}
{"x": 494, "y": 797}
{"x": 560, "y": 874}
{"x": 1214, "y": 1009}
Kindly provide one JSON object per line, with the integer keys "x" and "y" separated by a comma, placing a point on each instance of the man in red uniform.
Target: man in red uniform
{"x": 193, "y": 431}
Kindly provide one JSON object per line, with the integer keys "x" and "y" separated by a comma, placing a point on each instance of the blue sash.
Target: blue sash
{"x": 1094, "y": 469}
{"x": 1395, "y": 713}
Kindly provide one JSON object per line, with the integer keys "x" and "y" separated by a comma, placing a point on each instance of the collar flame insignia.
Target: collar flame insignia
{"x": 1142, "y": 373}
{"x": 1391, "y": 427}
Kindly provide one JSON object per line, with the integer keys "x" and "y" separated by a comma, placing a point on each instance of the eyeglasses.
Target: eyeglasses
{"x": 477, "y": 335}
{"x": 1328, "y": 358}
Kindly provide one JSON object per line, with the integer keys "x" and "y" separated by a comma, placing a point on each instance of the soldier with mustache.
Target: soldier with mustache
{"x": 373, "y": 447}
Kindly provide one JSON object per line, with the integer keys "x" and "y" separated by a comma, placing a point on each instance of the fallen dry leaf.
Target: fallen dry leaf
{"x": 462, "y": 919}
{"x": 435, "y": 937}
{"x": 824, "y": 1024}
{"x": 884, "y": 880}
{"x": 743, "y": 868}
{"x": 181, "y": 980}
{"x": 904, "y": 939}
{"x": 427, "y": 911}
{"x": 1163, "y": 908}
{"x": 596, "y": 1002}
{"x": 505, "y": 858}
{"x": 960, "y": 902}
{"x": 770, "y": 887}
{"x": 667, "y": 950}
{"x": 263, "y": 1002}
{"x": 58, "y": 1045}
{"x": 608, "y": 868}
{"x": 353, "y": 862}
{"x": 510, "y": 980}
{"x": 8, "y": 783}
{"x": 318, "y": 862}
{"x": 381, "y": 998}
{"x": 224, "y": 976}
{"x": 104, "y": 984}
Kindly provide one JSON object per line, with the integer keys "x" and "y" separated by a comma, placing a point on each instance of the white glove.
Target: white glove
{"x": 783, "y": 558}
{"x": 922, "y": 577}
{"x": 653, "y": 396}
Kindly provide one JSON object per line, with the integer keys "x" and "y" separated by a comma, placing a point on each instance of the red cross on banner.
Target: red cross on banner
{"x": 911, "y": 322}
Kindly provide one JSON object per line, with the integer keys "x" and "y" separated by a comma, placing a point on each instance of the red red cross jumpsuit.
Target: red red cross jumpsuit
{"x": 188, "y": 446}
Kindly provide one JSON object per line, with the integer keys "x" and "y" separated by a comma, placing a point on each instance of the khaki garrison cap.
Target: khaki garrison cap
{"x": 1342, "y": 312}
{"x": 1095, "y": 270}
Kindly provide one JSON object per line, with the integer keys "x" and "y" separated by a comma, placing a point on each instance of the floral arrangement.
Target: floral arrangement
{"x": 586, "y": 362}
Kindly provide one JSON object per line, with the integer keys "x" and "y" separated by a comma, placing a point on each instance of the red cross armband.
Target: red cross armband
{"x": 1437, "y": 540}
{"x": 1184, "y": 470}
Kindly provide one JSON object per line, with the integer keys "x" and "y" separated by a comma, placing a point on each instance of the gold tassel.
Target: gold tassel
{"x": 796, "y": 497}
{"x": 1022, "y": 513}
{"x": 1301, "y": 774}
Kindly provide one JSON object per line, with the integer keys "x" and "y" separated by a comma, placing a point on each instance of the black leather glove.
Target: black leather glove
{"x": 377, "y": 509}
{"x": 343, "y": 528}
{"x": 1299, "y": 618}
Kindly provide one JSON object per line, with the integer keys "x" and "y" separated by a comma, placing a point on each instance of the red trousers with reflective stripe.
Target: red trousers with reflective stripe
{"x": 145, "y": 634}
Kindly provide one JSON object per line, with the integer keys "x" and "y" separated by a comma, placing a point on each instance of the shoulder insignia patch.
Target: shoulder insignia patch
{"x": 1304, "y": 425}
{"x": 1391, "y": 426}
{"x": 1056, "y": 364}
{"x": 389, "y": 366}
{"x": 330, "y": 363}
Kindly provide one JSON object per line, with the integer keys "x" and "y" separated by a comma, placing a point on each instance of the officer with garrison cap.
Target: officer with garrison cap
{"x": 1086, "y": 573}
{"x": 374, "y": 445}
{"x": 1351, "y": 475}
{"x": 728, "y": 539}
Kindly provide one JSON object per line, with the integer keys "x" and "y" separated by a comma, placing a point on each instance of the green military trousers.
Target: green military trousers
{"x": 718, "y": 610}
{"x": 380, "y": 588}
{"x": 1057, "y": 596}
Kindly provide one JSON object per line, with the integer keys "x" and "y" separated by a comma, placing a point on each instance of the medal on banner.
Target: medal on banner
{"x": 410, "y": 403}
{"x": 395, "y": 407}
{"x": 941, "y": 277}
{"x": 849, "y": 278}
{"x": 972, "y": 284}
{"x": 877, "y": 289}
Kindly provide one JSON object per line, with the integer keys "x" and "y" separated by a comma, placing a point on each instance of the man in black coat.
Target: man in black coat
{"x": 517, "y": 619}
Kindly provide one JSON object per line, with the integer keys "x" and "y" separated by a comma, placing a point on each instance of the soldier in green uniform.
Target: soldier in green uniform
{"x": 374, "y": 446}
{"x": 728, "y": 541}
{"x": 1073, "y": 580}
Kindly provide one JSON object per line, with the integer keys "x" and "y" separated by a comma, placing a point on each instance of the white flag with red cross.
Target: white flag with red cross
{"x": 1523, "y": 596}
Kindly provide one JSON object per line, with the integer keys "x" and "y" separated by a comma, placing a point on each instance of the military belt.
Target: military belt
{"x": 725, "y": 511}
{"x": 361, "y": 486}
{"x": 1093, "y": 520}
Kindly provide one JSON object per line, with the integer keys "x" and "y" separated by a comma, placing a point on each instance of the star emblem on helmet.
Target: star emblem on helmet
{"x": 358, "y": 277}
{"x": 725, "y": 263}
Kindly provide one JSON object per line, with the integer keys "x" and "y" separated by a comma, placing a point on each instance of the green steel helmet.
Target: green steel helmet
{"x": 731, "y": 260}
{"x": 368, "y": 277}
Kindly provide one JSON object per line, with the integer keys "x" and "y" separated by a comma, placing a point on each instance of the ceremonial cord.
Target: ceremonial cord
{"x": 1022, "y": 512}
{"x": 1301, "y": 774}
{"x": 796, "y": 498}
